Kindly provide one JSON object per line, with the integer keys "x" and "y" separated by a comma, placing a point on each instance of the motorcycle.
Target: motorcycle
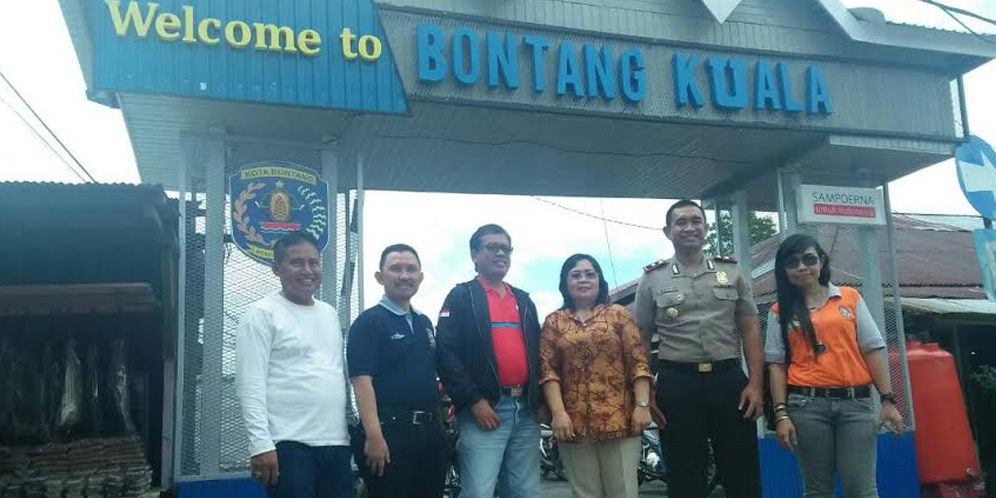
{"x": 653, "y": 460}
{"x": 550, "y": 463}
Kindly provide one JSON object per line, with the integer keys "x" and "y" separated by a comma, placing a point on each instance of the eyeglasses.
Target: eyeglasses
{"x": 495, "y": 248}
{"x": 808, "y": 259}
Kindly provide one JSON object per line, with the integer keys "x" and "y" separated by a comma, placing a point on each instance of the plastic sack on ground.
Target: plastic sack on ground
{"x": 70, "y": 407}
{"x": 120, "y": 418}
{"x": 94, "y": 390}
{"x": 53, "y": 379}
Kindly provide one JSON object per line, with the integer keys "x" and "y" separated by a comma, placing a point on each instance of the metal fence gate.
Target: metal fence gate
{"x": 211, "y": 440}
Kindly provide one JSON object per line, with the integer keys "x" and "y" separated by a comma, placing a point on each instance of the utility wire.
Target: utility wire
{"x": 951, "y": 11}
{"x": 608, "y": 245}
{"x": 959, "y": 10}
{"x": 40, "y": 137}
{"x": 49, "y": 130}
{"x": 589, "y": 215}
{"x": 970, "y": 30}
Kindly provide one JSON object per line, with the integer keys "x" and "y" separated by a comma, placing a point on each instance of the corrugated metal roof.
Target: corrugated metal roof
{"x": 938, "y": 28}
{"x": 57, "y": 233}
{"x": 956, "y": 221}
{"x": 940, "y": 306}
{"x": 924, "y": 270}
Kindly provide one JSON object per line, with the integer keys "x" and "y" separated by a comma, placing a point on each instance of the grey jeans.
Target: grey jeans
{"x": 836, "y": 433}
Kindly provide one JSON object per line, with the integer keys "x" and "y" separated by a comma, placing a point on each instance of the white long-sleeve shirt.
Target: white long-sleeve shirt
{"x": 290, "y": 374}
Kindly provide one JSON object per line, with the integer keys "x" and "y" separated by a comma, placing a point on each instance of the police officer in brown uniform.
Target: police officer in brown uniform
{"x": 697, "y": 306}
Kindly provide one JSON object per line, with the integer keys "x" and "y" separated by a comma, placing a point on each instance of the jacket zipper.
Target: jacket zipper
{"x": 473, "y": 309}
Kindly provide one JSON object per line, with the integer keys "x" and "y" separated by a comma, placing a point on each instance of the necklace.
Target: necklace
{"x": 584, "y": 315}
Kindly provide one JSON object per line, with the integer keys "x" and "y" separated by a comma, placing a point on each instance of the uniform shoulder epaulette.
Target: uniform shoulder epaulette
{"x": 660, "y": 263}
{"x": 725, "y": 259}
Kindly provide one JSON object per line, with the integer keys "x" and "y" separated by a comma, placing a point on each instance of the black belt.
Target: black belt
{"x": 832, "y": 392}
{"x": 513, "y": 391}
{"x": 703, "y": 367}
{"x": 411, "y": 417}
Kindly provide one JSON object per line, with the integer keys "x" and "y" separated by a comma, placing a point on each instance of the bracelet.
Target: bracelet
{"x": 780, "y": 407}
{"x": 888, "y": 398}
{"x": 782, "y": 417}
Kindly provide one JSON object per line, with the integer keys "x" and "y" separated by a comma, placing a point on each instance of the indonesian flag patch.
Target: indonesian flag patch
{"x": 444, "y": 313}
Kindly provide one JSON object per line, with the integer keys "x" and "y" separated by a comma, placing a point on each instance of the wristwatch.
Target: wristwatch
{"x": 888, "y": 398}
{"x": 643, "y": 404}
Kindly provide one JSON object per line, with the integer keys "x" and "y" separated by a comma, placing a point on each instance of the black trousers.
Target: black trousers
{"x": 703, "y": 407}
{"x": 419, "y": 461}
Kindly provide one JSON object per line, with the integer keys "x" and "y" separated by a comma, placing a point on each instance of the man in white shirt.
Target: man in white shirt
{"x": 291, "y": 381}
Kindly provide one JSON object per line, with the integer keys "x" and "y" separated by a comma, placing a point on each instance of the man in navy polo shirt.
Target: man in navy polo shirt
{"x": 392, "y": 366}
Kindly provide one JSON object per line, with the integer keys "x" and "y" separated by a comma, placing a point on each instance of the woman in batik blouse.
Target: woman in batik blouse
{"x": 595, "y": 376}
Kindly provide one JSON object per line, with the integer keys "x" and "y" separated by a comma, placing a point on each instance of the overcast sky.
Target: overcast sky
{"x": 38, "y": 58}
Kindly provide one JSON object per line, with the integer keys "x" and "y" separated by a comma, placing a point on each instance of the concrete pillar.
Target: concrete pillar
{"x": 788, "y": 214}
{"x": 741, "y": 236}
{"x": 871, "y": 273}
{"x": 360, "y": 199}
{"x": 330, "y": 170}
{"x": 214, "y": 302}
{"x": 188, "y": 163}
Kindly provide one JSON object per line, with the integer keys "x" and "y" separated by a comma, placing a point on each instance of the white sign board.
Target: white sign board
{"x": 849, "y": 205}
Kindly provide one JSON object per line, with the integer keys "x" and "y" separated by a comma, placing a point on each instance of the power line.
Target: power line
{"x": 950, "y": 11}
{"x": 40, "y": 137}
{"x": 608, "y": 245}
{"x": 959, "y": 10}
{"x": 970, "y": 30}
{"x": 600, "y": 218}
{"x": 49, "y": 130}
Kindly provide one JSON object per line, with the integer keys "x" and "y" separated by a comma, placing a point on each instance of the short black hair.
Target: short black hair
{"x": 603, "y": 286}
{"x": 397, "y": 248}
{"x": 680, "y": 204}
{"x": 491, "y": 228}
{"x": 292, "y": 239}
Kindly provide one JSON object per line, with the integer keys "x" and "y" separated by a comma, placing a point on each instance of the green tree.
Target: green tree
{"x": 758, "y": 228}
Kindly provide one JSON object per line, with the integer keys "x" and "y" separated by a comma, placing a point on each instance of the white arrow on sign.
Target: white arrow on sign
{"x": 979, "y": 177}
{"x": 721, "y": 9}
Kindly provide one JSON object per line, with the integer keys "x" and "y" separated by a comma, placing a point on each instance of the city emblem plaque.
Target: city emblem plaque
{"x": 273, "y": 198}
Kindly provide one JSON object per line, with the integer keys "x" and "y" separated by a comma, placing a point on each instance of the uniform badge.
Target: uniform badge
{"x": 432, "y": 337}
{"x": 845, "y": 312}
{"x": 672, "y": 312}
{"x": 444, "y": 313}
{"x": 680, "y": 298}
{"x": 722, "y": 278}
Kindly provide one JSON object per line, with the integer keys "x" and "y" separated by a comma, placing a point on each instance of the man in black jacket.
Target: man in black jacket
{"x": 488, "y": 359}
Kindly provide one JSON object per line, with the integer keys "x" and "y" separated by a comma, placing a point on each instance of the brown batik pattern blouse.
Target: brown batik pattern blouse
{"x": 596, "y": 363}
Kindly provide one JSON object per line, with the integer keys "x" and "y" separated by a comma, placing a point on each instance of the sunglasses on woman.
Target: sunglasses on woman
{"x": 808, "y": 259}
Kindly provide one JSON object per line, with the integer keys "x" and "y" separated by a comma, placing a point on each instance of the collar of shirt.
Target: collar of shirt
{"x": 832, "y": 292}
{"x": 393, "y": 308}
{"x": 491, "y": 290}
{"x": 707, "y": 266}
{"x": 595, "y": 311}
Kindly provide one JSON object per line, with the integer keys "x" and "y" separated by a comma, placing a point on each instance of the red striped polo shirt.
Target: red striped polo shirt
{"x": 506, "y": 335}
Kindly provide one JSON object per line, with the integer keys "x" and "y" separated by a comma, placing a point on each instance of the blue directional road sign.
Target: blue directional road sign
{"x": 976, "y": 162}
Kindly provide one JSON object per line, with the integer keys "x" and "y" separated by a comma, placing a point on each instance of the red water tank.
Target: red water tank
{"x": 944, "y": 449}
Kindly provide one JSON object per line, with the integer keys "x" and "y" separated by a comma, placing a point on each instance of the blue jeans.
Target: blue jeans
{"x": 312, "y": 471}
{"x": 507, "y": 456}
{"x": 839, "y": 434}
